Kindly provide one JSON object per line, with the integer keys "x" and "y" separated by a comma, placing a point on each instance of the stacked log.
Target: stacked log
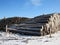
{"x": 41, "y": 25}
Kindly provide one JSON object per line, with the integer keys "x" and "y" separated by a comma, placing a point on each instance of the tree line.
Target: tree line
{"x": 12, "y": 20}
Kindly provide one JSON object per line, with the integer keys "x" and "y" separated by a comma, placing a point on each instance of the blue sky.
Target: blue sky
{"x": 28, "y": 8}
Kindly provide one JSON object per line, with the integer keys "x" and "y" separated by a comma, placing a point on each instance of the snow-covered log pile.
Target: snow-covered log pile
{"x": 41, "y": 25}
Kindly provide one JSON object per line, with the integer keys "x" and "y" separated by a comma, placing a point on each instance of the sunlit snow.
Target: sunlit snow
{"x": 17, "y": 39}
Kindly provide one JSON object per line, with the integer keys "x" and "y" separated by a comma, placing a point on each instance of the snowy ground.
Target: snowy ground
{"x": 16, "y": 39}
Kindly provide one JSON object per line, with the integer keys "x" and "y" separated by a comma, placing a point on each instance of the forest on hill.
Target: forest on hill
{"x": 12, "y": 20}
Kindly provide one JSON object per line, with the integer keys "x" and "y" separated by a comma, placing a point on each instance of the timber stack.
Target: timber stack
{"x": 40, "y": 25}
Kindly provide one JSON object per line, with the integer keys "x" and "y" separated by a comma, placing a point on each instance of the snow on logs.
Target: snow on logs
{"x": 44, "y": 24}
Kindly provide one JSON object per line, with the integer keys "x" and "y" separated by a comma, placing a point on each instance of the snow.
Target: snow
{"x": 17, "y": 39}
